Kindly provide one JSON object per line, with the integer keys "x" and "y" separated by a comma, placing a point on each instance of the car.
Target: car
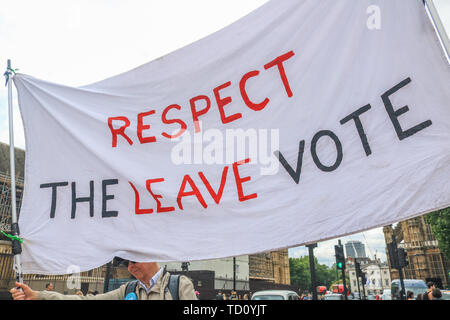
{"x": 445, "y": 294}
{"x": 275, "y": 295}
{"x": 333, "y": 296}
{"x": 417, "y": 286}
{"x": 356, "y": 296}
{"x": 386, "y": 294}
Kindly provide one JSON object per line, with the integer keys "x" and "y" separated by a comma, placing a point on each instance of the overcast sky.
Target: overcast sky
{"x": 80, "y": 42}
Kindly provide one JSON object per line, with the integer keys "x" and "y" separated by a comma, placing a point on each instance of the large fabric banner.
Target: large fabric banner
{"x": 303, "y": 121}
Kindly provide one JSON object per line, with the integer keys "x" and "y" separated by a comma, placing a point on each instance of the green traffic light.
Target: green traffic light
{"x": 339, "y": 265}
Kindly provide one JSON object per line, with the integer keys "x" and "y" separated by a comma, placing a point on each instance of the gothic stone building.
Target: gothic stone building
{"x": 426, "y": 261}
{"x": 270, "y": 270}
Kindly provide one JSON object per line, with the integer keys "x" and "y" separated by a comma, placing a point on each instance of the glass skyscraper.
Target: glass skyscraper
{"x": 355, "y": 249}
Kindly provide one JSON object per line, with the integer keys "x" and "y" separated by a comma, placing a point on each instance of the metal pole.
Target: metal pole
{"x": 343, "y": 277}
{"x": 400, "y": 273}
{"x": 359, "y": 289}
{"x": 107, "y": 276}
{"x": 234, "y": 273}
{"x": 439, "y": 26}
{"x": 16, "y": 247}
{"x": 337, "y": 278}
{"x": 357, "y": 278}
{"x": 364, "y": 289}
{"x": 312, "y": 269}
{"x": 345, "y": 286}
{"x": 402, "y": 292}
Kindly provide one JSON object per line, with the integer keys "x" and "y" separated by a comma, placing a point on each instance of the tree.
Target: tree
{"x": 325, "y": 275}
{"x": 299, "y": 272}
{"x": 440, "y": 224}
{"x": 301, "y": 277}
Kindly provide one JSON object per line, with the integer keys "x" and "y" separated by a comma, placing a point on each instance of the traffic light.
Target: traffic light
{"x": 340, "y": 257}
{"x": 358, "y": 269}
{"x": 402, "y": 257}
{"x": 363, "y": 278}
{"x": 393, "y": 255}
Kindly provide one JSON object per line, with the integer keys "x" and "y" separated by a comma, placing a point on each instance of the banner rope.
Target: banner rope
{"x": 10, "y": 236}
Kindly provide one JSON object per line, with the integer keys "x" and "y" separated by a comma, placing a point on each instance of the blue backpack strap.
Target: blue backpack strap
{"x": 131, "y": 289}
{"x": 172, "y": 286}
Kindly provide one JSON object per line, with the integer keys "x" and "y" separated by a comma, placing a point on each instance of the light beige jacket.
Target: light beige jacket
{"x": 186, "y": 292}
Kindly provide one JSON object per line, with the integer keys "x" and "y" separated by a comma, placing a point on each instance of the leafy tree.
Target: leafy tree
{"x": 325, "y": 275}
{"x": 299, "y": 272}
{"x": 301, "y": 277}
{"x": 440, "y": 224}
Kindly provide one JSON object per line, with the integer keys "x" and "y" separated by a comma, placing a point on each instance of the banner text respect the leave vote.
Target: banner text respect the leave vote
{"x": 216, "y": 196}
{"x": 362, "y": 123}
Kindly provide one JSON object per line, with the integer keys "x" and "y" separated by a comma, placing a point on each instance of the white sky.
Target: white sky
{"x": 83, "y": 41}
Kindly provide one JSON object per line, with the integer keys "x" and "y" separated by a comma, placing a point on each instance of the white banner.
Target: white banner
{"x": 344, "y": 107}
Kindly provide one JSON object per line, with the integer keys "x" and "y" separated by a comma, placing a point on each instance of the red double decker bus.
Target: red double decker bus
{"x": 339, "y": 288}
{"x": 321, "y": 290}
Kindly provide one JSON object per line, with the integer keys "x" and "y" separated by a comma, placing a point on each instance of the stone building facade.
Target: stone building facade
{"x": 271, "y": 267}
{"x": 426, "y": 261}
{"x": 377, "y": 274}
